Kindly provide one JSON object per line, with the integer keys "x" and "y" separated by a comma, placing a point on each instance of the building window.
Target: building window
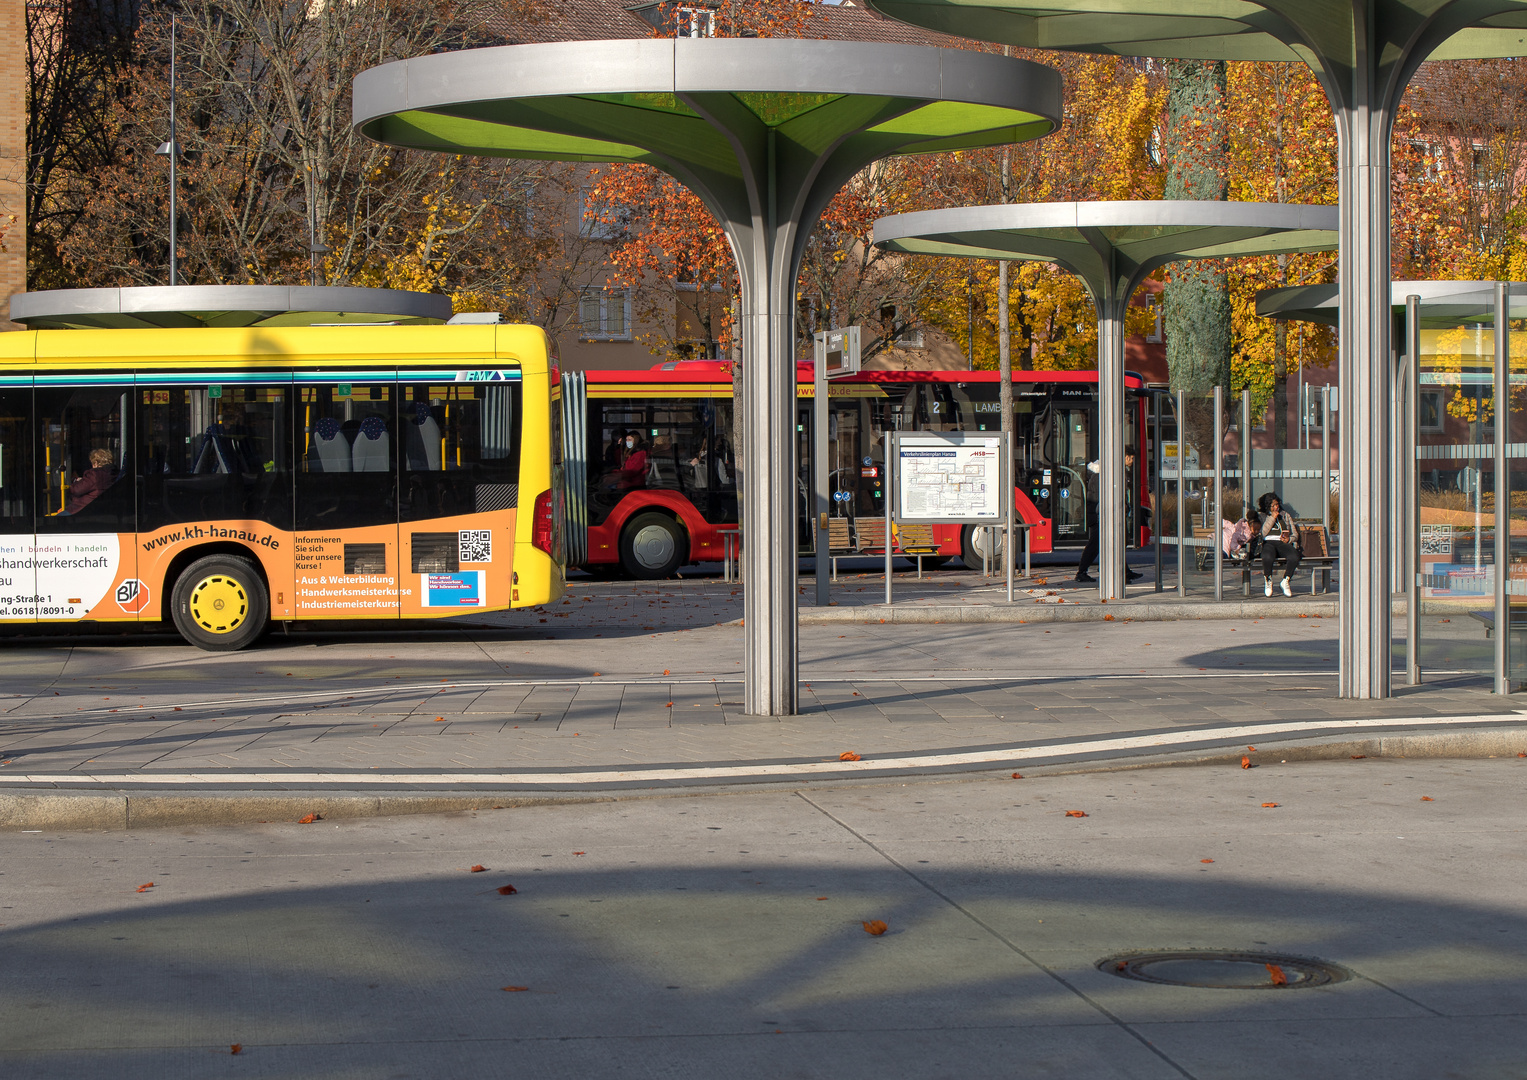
{"x": 694, "y": 22}
{"x": 1433, "y": 409}
{"x": 599, "y": 221}
{"x": 1157, "y": 334}
{"x": 605, "y": 314}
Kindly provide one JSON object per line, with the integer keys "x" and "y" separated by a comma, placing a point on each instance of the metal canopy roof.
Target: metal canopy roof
{"x": 676, "y": 103}
{"x": 1209, "y": 29}
{"x": 164, "y": 306}
{"x": 765, "y": 131}
{"x": 1443, "y": 303}
{"x": 1125, "y": 240}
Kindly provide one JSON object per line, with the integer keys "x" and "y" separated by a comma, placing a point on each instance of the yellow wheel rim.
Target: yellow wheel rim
{"x": 219, "y": 604}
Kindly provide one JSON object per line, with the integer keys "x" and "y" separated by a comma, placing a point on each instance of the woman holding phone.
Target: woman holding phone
{"x": 1280, "y": 539}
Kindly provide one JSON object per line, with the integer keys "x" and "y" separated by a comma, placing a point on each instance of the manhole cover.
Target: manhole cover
{"x": 1223, "y": 970}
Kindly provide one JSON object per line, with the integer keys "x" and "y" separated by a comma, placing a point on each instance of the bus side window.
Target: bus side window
{"x": 214, "y": 453}
{"x": 460, "y": 448}
{"x": 84, "y": 436}
{"x": 16, "y": 460}
{"x": 345, "y": 429}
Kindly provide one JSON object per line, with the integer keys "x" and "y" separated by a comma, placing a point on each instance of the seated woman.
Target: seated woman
{"x": 1280, "y": 539}
{"x": 632, "y": 473}
{"x": 88, "y": 486}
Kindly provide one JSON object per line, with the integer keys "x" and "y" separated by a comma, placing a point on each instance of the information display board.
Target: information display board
{"x": 956, "y": 477}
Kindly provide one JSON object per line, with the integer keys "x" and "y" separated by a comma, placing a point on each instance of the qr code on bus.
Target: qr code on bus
{"x": 474, "y": 545}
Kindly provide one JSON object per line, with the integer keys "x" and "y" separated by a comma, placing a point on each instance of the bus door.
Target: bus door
{"x": 214, "y": 453}
{"x": 805, "y": 536}
{"x": 346, "y": 559}
{"x": 1067, "y": 447}
{"x": 86, "y": 553}
{"x": 458, "y": 457}
{"x": 18, "y": 574}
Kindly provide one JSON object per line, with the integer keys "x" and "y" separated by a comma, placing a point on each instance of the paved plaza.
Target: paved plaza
{"x": 638, "y": 684}
{"x": 704, "y": 936}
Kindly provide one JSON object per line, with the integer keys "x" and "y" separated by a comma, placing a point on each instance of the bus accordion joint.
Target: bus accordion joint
{"x": 541, "y": 523}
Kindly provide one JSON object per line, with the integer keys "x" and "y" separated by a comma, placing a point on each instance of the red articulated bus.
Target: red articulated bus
{"x": 652, "y": 475}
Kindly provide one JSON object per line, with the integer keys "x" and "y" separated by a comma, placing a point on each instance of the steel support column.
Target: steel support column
{"x": 1112, "y": 301}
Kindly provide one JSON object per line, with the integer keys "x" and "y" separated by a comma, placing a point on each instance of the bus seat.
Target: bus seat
{"x": 423, "y": 435}
{"x": 333, "y": 447}
{"x": 373, "y": 447}
{"x": 216, "y": 454}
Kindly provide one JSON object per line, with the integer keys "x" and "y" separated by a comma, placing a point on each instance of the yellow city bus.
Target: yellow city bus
{"x": 226, "y": 479}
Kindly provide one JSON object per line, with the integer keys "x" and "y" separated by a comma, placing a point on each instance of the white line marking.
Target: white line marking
{"x": 432, "y": 689}
{"x": 1160, "y": 741}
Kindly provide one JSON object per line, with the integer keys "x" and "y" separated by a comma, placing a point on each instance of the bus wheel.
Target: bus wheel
{"x": 974, "y": 540}
{"x": 653, "y": 546}
{"x": 220, "y": 604}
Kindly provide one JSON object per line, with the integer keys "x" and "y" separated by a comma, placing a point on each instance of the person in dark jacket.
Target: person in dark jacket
{"x": 1280, "y": 540}
{"x": 88, "y": 486}
{"x": 1090, "y": 551}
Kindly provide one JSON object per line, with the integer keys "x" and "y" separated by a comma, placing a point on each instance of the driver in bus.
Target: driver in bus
{"x": 88, "y": 486}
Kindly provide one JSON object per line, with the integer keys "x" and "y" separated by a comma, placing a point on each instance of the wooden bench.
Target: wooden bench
{"x": 866, "y": 536}
{"x": 1314, "y": 556}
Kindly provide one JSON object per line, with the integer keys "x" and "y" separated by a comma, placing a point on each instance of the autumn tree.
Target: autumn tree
{"x": 270, "y": 167}
{"x": 1196, "y": 151}
{"x": 1281, "y": 141}
{"x": 76, "y": 52}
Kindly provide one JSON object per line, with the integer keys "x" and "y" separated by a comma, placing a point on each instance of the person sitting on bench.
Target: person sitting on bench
{"x": 1280, "y": 539}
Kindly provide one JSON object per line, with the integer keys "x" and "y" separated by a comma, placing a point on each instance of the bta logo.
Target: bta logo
{"x": 132, "y": 595}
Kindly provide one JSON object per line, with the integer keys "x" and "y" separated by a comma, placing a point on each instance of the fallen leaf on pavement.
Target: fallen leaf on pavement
{"x": 1278, "y": 978}
{"x": 665, "y": 671}
{"x": 476, "y": 868}
{"x": 580, "y": 853}
{"x": 1245, "y": 763}
{"x": 848, "y": 755}
{"x": 439, "y": 719}
{"x": 821, "y": 898}
{"x": 875, "y": 927}
{"x": 1108, "y": 618}
{"x": 1253, "y": 749}
{"x": 1427, "y": 798}
{"x": 507, "y": 890}
{"x": 1269, "y": 805}
{"x": 145, "y": 887}
{"x": 1205, "y": 860}
{"x": 1076, "y": 813}
{"x": 1358, "y": 757}
{"x": 308, "y": 819}
{"x": 1017, "y": 776}
{"x": 235, "y": 1048}
{"x": 514, "y": 989}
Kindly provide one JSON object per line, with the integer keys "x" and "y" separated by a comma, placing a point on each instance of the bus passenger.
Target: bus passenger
{"x": 632, "y": 473}
{"x": 88, "y": 486}
{"x": 615, "y": 452}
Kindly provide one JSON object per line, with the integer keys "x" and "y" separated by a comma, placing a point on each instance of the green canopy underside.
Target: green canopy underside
{"x": 1171, "y": 243}
{"x": 651, "y": 127}
{"x": 1191, "y": 29}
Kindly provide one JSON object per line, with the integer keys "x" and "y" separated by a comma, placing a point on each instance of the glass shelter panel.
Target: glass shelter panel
{"x": 1456, "y": 560}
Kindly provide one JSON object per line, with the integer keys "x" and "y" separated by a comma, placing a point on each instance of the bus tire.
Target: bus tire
{"x": 653, "y": 545}
{"x": 973, "y": 540}
{"x": 220, "y": 604}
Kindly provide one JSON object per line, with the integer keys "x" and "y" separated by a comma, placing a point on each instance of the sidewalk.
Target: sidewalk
{"x": 637, "y": 687}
